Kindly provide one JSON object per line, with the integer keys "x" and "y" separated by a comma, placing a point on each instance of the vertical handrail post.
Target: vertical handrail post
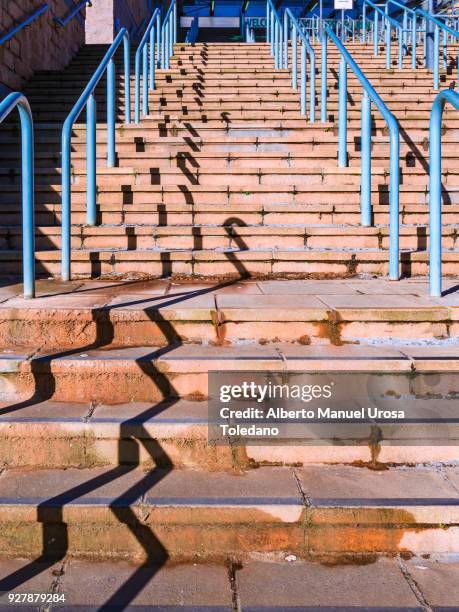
{"x": 312, "y": 91}
{"x": 28, "y": 212}
{"x": 145, "y": 101}
{"x": 91, "y": 160}
{"x": 405, "y": 28}
{"x": 400, "y": 49}
{"x": 276, "y": 45}
{"x": 413, "y": 42}
{"x": 323, "y": 79}
{"x": 152, "y": 59}
{"x": 158, "y": 40}
{"x": 303, "y": 79}
{"x": 436, "y": 58}
{"x": 137, "y": 89}
{"x": 394, "y": 202}
{"x": 294, "y": 59}
{"x": 388, "y": 43}
{"x": 435, "y": 213}
{"x": 8, "y": 105}
{"x": 375, "y": 35}
{"x": 267, "y": 24}
{"x": 127, "y": 78}
{"x": 285, "y": 41}
{"x": 365, "y": 193}
{"x": 342, "y": 114}
{"x": 111, "y": 114}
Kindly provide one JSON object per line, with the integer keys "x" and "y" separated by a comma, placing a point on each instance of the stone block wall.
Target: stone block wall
{"x": 101, "y": 18}
{"x": 42, "y": 45}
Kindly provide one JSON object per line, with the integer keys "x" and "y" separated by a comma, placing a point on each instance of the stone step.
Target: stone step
{"x": 246, "y": 178}
{"x": 110, "y": 513}
{"x": 152, "y": 374}
{"x": 175, "y": 434}
{"x": 291, "y": 192}
{"x": 173, "y": 158}
{"x": 133, "y": 237}
{"x": 231, "y": 263}
{"x": 230, "y": 312}
{"x": 179, "y": 213}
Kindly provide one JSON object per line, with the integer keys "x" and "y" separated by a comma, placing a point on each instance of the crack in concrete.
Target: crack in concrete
{"x": 92, "y": 406}
{"x": 232, "y": 569}
{"x": 446, "y": 478}
{"x": 55, "y": 586}
{"x": 414, "y": 585}
{"x": 304, "y": 496}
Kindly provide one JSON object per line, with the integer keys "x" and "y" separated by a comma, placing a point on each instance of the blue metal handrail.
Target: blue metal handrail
{"x": 438, "y": 26}
{"x": 35, "y": 15}
{"x": 435, "y": 186}
{"x": 19, "y": 101}
{"x": 291, "y": 25}
{"x": 370, "y": 94}
{"x": 274, "y": 33}
{"x": 74, "y": 13}
{"x": 87, "y": 99}
{"x": 389, "y": 23}
{"x": 146, "y": 51}
{"x": 168, "y": 35}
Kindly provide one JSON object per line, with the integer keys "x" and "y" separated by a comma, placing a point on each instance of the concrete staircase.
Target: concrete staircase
{"x": 225, "y": 178}
{"x": 104, "y": 383}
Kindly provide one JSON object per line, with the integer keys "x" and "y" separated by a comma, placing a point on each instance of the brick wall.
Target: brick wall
{"x": 42, "y": 45}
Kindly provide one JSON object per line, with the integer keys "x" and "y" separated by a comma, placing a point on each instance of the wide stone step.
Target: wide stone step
{"x": 193, "y": 175}
{"x": 173, "y": 158}
{"x": 133, "y": 237}
{"x": 231, "y": 263}
{"x": 151, "y": 374}
{"x": 118, "y": 512}
{"x": 310, "y": 194}
{"x": 309, "y": 312}
{"x": 179, "y": 213}
{"x": 175, "y": 433}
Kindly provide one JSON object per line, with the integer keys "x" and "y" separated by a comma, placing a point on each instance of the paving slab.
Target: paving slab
{"x": 305, "y": 287}
{"x": 26, "y": 576}
{"x": 122, "y": 584}
{"x": 275, "y": 307}
{"x": 338, "y": 485}
{"x": 379, "y": 286}
{"x": 186, "y": 300}
{"x": 237, "y": 287}
{"x": 65, "y": 301}
{"x": 114, "y": 288}
{"x": 311, "y": 586}
{"x": 438, "y": 582}
{"x": 381, "y": 301}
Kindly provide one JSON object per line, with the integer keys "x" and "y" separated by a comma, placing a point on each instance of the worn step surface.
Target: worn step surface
{"x": 278, "y": 584}
{"x": 121, "y": 314}
{"x": 120, "y": 512}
